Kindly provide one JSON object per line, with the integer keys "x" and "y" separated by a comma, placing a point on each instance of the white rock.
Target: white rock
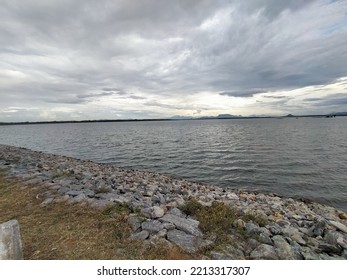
{"x": 157, "y": 212}
{"x": 339, "y": 226}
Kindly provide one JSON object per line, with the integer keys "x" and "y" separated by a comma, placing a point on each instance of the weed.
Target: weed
{"x": 255, "y": 217}
{"x": 192, "y": 207}
{"x": 215, "y": 220}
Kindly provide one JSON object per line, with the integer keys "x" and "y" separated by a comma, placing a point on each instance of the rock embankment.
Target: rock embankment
{"x": 284, "y": 228}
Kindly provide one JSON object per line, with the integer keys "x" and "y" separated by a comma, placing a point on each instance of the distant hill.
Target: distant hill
{"x": 339, "y": 114}
{"x": 227, "y": 116}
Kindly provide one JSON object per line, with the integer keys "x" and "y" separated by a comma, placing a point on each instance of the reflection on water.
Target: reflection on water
{"x": 293, "y": 157}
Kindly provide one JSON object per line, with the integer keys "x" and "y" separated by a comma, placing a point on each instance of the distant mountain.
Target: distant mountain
{"x": 228, "y": 116}
{"x": 180, "y": 118}
{"x": 220, "y": 116}
{"x": 339, "y": 114}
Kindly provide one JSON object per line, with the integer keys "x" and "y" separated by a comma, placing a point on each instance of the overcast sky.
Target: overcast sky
{"x": 110, "y": 59}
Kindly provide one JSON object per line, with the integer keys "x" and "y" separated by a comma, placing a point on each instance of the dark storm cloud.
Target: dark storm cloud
{"x": 76, "y": 52}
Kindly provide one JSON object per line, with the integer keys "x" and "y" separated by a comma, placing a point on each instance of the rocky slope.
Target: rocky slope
{"x": 283, "y": 228}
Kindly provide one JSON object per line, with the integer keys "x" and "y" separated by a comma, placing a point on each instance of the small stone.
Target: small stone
{"x": 81, "y": 197}
{"x": 74, "y": 192}
{"x": 298, "y": 238}
{"x": 219, "y": 256}
{"x": 318, "y": 227}
{"x": 275, "y": 229}
{"x": 177, "y": 212}
{"x": 251, "y": 228}
{"x": 189, "y": 243}
{"x": 304, "y": 230}
{"x": 142, "y": 235}
{"x": 264, "y": 252}
{"x": 289, "y": 231}
{"x": 153, "y": 226}
{"x": 153, "y": 212}
{"x": 283, "y": 249}
{"x": 264, "y": 238}
{"x": 330, "y": 249}
{"x": 239, "y": 224}
{"x": 251, "y": 245}
{"x": 331, "y": 237}
{"x": 134, "y": 222}
{"x": 232, "y": 196}
{"x": 283, "y": 223}
{"x": 234, "y": 253}
{"x": 63, "y": 198}
{"x": 297, "y": 250}
{"x": 10, "y": 241}
{"x": 157, "y": 212}
{"x": 46, "y": 202}
{"x": 342, "y": 242}
{"x": 147, "y": 212}
{"x": 168, "y": 226}
{"x": 162, "y": 233}
{"x": 189, "y": 226}
{"x": 342, "y": 215}
{"x": 308, "y": 254}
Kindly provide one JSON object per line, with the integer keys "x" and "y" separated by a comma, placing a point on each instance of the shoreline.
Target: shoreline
{"x": 292, "y": 228}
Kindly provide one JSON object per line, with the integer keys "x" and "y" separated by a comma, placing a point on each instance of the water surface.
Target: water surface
{"x": 305, "y": 157}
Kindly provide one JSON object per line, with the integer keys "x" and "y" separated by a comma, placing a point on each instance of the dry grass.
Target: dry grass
{"x": 61, "y": 231}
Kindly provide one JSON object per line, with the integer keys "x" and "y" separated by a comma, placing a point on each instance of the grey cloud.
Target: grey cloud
{"x": 171, "y": 106}
{"x": 242, "y": 93}
{"x": 72, "y": 52}
{"x": 341, "y": 101}
{"x": 136, "y": 97}
{"x": 65, "y": 101}
{"x": 313, "y": 99}
{"x": 272, "y": 8}
{"x": 275, "y": 96}
{"x": 111, "y": 89}
{"x": 163, "y": 105}
{"x": 94, "y": 95}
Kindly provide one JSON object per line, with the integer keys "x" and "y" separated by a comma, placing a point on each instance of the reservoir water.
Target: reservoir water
{"x": 301, "y": 158}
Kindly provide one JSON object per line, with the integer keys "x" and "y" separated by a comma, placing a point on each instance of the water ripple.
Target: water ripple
{"x": 299, "y": 158}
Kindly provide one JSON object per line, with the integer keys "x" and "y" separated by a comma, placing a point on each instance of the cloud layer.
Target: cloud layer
{"x": 88, "y": 59}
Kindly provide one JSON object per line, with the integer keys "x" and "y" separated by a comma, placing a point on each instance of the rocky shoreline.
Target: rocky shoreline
{"x": 291, "y": 229}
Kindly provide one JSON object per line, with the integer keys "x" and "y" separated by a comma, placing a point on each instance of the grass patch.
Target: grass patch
{"x": 257, "y": 218}
{"x": 215, "y": 220}
{"x": 60, "y": 231}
